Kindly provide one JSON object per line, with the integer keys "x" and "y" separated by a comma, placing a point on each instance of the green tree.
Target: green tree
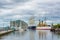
{"x": 56, "y": 26}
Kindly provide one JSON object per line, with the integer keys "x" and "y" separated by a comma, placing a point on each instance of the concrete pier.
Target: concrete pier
{"x": 5, "y": 32}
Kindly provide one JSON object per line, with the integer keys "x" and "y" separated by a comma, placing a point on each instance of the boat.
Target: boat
{"x": 32, "y": 23}
{"x": 42, "y": 25}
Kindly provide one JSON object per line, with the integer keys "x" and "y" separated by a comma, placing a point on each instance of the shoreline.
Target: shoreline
{"x": 5, "y": 32}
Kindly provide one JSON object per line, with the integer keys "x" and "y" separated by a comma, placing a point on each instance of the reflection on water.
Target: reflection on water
{"x": 31, "y": 35}
{"x": 42, "y": 35}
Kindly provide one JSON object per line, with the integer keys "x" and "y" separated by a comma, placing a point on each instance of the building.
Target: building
{"x": 18, "y": 24}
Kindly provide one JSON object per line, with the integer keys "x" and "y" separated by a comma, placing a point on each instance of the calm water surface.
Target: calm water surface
{"x": 31, "y": 35}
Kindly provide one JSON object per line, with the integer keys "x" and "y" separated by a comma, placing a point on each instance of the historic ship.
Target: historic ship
{"x": 32, "y": 23}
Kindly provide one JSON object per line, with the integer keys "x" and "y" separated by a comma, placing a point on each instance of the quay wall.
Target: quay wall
{"x": 5, "y": 32}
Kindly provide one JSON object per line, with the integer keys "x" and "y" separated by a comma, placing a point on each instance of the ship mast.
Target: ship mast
{"x": 31, "y": 21}
{"x": 45, "y": 20}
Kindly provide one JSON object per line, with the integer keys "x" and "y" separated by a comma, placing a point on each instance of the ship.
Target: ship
{"x": 32, "y": 23}
{"x": 42, "y": 25}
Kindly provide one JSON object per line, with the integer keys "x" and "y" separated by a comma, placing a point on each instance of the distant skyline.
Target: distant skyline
{"x": 24, "y": 9}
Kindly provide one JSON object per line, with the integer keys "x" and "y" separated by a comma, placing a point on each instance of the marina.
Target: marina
{"x": 20, "y": 30}
{"x": 29, "y": 19}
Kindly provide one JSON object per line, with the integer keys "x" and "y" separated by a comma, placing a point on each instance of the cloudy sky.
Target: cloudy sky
{"x": 24, "y": 9}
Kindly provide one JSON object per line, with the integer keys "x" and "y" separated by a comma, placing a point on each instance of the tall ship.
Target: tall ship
{"x": 32, "y": 23}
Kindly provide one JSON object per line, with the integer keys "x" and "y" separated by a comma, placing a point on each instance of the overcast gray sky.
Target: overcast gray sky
{"x": 23, "y": 9}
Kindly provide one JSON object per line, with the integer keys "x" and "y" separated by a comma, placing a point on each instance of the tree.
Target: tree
{"x": 56, "y": 26}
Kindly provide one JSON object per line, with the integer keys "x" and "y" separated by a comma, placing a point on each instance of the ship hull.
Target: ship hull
{"x": 43, "y": 28}
{"x": 32, "y": 27}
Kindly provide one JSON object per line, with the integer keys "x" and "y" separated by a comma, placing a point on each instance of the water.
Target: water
{"x": 31, "y": 35}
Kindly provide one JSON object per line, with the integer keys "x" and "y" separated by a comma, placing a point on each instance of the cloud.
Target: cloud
{"x": 23, "y": 9}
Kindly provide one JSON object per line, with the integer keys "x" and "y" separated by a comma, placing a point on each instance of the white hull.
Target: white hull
{"x": 43, "y": 28}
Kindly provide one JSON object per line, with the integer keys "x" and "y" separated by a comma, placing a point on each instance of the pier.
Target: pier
{"x": 5, "y": 32}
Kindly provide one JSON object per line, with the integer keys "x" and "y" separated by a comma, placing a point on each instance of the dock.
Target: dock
{"x": 5, "y": 32}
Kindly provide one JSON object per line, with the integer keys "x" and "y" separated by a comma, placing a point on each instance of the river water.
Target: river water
{"x": 31, "y": 35}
